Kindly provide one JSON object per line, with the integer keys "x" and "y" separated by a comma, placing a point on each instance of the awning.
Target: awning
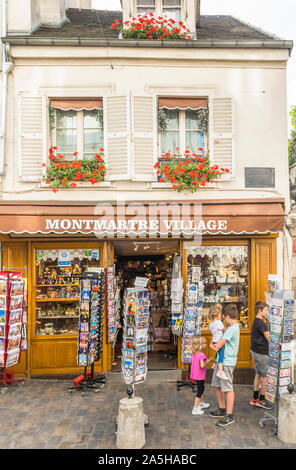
{"x": 182, "y": 103}
{"x": 76, "y": 105}
{"x": 158, "y": 219}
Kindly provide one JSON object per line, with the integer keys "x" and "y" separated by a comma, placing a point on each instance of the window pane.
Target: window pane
{"x": 191, "y": 120}
{"x": 146, "y": 3}
{"x": 90, "y": 120}
{"x": 172, "y": 119}
{"x": 92, "y": 138}
{"x": 169, "y": 141}
{"x": 66, "y": 119}
{"x": 193, "y": 139}
{"x": 142, "y": 11}
{"x": 66, "y": 141}
{"x": 171, "y": 3}
{"x": 173, "y": 13}
{"x": 93, "y": 133}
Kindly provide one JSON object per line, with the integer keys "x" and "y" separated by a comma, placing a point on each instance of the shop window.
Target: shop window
{"x": 224, "y": 272}
{"x": 77, "y": 130}
{"x": 58, "y": 276}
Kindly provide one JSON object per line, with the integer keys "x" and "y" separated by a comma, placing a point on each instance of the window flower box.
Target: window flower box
{"x": 148, "y": 26}
{"x": 60, "y": 173}
{"x": 189, "y": 172}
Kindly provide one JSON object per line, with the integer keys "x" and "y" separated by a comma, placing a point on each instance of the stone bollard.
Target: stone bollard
{"x": 287, "y": 419}
{"x": 130, "y": 424}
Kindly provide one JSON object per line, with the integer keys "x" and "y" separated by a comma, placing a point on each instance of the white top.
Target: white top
{"x": 216, "y": 328}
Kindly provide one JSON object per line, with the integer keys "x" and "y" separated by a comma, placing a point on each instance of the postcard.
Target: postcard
{"x": 16, "y": 302}
{"x": 16, "y": 288}
{"x": 15, "y": 316}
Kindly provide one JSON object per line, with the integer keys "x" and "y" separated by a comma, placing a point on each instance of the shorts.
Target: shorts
{"x": 260, "y": 363}
{"x": 227, "y": 384}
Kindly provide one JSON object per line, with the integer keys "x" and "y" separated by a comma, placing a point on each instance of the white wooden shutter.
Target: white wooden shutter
{"x": 117, "y": 137}
{"x": 221, "y": 132}
{"x": 144, "y": 138}
{"x": 30, "y": 137}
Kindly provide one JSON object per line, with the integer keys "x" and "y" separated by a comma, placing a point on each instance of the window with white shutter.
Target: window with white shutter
{"x": 31, "y": 138}
{"x": 117, "y": 137}
{"x": 144, "y": 137}
{"x": 221, "y": 132}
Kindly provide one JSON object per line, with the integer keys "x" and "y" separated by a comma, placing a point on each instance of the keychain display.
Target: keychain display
{"x": 90, "y": 337}
{"x": 11, "y": 317}
{"x": 135, "y": 335}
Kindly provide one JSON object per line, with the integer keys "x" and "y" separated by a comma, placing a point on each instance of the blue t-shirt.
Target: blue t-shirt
{"x": 232, "y": 335}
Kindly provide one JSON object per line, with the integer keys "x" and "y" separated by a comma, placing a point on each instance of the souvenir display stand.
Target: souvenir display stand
{"x": 112, "y": 304}
{"x": 90, "y": 336}
{"x": 11, "y": 324}
{"x": 281, "y": 332}
{"x": 191, "y": 323}
{"x": 135, "y": 335}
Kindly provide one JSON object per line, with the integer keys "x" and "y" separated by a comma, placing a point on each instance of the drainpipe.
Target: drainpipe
{"x": 6, "y": 68}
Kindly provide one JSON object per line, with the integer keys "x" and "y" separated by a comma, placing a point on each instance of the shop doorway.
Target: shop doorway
{"x": 152, "y": 260}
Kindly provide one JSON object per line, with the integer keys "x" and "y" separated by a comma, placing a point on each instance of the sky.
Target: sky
{"x": 273, "y": 16}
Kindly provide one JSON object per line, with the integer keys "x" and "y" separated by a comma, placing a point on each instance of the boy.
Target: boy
{"x": 224, "y": 388}
{"x": 259, "y": 351}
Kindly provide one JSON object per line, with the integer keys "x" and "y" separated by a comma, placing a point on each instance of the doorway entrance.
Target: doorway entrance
{"x": 152, "y": 260}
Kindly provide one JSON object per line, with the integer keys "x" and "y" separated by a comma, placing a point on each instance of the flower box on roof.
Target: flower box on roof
{"x": 149, "y": 26}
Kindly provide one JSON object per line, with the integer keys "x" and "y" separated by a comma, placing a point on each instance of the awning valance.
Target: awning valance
{"x": 167, "y": 218}
{"x": 182, "y": 103}
{"x": 76, "y": 105}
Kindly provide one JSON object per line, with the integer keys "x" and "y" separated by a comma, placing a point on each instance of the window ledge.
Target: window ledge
{"x": 84, "y": 185}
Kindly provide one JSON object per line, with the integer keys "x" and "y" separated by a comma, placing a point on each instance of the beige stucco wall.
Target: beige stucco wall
{"x": 255, "y": 79}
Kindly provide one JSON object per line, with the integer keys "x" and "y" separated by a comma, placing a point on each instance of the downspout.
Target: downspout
{"x": 6, "y": 68}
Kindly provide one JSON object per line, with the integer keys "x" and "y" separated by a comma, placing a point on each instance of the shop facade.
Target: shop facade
{"x": 236, "y": 244}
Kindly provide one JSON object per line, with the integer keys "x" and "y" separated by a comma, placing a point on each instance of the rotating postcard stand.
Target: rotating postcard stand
{"x": 281, "y": 333}
{"x": 191, "y": 326}
{"x": 11, "y": 324}
{"x": 90, "y": 336}
{"x": 135, "y": 336}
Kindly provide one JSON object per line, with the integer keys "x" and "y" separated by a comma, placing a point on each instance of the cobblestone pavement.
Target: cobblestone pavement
{"x": 44, "y": 415}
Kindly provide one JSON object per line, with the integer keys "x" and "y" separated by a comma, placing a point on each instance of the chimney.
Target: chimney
{"x": 23, "y": 16}
{"x": 53, "y": 12}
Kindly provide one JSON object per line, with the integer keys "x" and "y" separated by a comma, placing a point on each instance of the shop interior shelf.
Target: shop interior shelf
{"x": 57, "y": 285}
{"x": 74, "y": 299}
{"x": 223, "y": 301}
{"x": 54, "y": 317}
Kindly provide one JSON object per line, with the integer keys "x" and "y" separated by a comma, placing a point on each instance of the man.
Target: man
{"x": 224, "y": 387}
{"x": 259, "y": 351}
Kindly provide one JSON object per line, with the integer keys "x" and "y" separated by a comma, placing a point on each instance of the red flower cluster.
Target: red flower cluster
{"x": 193, "y": 171}
{"x": 66, "y": 174}
{"x": 149, "y": 26}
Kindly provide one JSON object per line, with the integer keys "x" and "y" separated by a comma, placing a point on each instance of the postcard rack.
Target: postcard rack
{"x": 135, "y": 335}
{"x": 11, "y": 324}
{"x": 191, "y": 324}
{"x": 91, "y": 319}
{"x": 281, "y": 333}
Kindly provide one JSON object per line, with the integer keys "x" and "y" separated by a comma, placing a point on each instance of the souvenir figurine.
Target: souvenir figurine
{"x": 53, "y": 276}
